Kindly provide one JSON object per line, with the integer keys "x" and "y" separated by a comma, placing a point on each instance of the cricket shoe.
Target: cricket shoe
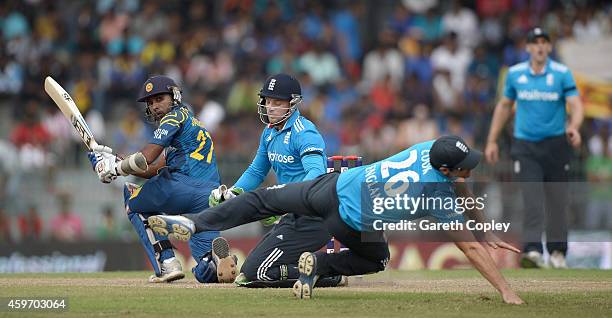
{"x": 226, "y": 263}
{"x": 171, "y": 270}
{"x": 307, "y": 266}
{"x": 176, "y": 226}
{"x": 532, "y": 259}
{"x": 557, "y": 260}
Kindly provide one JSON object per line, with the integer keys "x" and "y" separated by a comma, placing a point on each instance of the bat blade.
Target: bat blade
{"x": 66, "y": 104}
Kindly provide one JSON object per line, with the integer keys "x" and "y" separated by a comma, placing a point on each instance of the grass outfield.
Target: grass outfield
{"x": 548, "y": 293}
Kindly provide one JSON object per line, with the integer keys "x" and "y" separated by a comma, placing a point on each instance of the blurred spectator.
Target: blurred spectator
{"x": 378, "y": 138}
{"x": 417, "y": 129}
{"x": 14, "y": 24}
{"x": 447, "y": 99}
{"x": 401, "y": 20}
{"x": 384, "y": 95}
{"x": 30, "y": 224}
{"x": 587, "y": 28}
{"x": 452, "y": 58}
{"x": 11, "y": 75}
{"x": 131, "y": 133}
{"x": 428, "y": 26}
{"x": 420, "y": 6}
{"x": 108, "y": 228}
{"x": 599, "y": 173}
{"x": 5, "y": 227}
{"x": 209, "y": 111}
{"x": 515, "y": 52}
{"x": 384, "y": 60}
{"x": 462, "y": 21}
{"x": 31, "y": 138}
{"x": 320, "y": 64}
{"x": 348, "y": 36}
{"x": 66, "y": 225}
{"x": 420, "y": 65}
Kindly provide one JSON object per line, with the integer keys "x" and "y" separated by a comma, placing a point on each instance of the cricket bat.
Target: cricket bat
{"x": 66, "y": 104}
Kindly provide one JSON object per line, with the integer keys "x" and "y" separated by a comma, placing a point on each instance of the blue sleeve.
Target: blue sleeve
{"x": 509, "y": 90}
{"x": 311, "y": 148}
{"x": 309, "y": 142}
{"x": 446, "y": 213}
{"x": 314, "y": 166}
{"x": 257, "y": 170}
{"x": 569, "y": 85}
{"x": 169, "y": 125}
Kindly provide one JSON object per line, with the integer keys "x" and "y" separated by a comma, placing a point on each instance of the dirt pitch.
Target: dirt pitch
{"x": 425, "y": 293}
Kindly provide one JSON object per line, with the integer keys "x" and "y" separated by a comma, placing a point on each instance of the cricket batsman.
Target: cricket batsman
{"x": 542, "y": 146}
{"x": 436, "y": 168}
{"x": 181, "y": 171}
{"x": 291, "y": 146}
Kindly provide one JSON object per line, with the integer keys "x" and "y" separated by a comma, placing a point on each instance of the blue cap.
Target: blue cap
{"x": 155, "y": 85}
{"x": 281, "y": 86}
{"x": 535, "y": 33}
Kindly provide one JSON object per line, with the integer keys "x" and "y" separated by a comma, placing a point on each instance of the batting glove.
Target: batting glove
{"x": 104, "y": 164}
{"x": 102, "y": 148}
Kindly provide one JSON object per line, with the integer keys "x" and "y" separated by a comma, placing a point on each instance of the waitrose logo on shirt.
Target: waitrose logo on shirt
{"x": 535, "y": 95}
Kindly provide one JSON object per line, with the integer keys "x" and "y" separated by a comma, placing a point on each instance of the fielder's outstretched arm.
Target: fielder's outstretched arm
{"x": 480, "y": 258}
{"x": 462, "y": 190}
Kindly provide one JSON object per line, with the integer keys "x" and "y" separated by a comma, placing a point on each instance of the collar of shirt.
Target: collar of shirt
{"x": 544, "y": 70}
{"x": 289, "y": 122}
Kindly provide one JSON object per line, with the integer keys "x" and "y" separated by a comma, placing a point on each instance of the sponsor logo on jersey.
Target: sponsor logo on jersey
{"x": 535, "y": 95}
{"x": 287, "y": 136}
{"x": 159, "y": 133}
{"x": 273, "y": 156}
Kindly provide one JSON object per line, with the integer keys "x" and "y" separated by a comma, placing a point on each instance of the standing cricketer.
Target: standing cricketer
{"x": 433, "y": 169}
{"x": 182, "y": 170}
{"x": 542, "y": 146}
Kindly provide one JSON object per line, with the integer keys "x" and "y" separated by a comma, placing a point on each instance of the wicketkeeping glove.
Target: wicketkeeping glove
{"x": 271, "y": 220}
{"x": 222, "y": 193}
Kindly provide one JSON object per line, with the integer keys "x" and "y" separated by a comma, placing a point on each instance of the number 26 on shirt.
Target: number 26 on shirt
{"x": 399, "y": 182}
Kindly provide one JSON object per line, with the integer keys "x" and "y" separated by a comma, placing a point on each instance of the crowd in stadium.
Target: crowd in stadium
{"x": 376, "y": 77}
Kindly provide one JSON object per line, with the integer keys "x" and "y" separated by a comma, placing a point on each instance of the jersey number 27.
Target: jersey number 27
{"x": 202, "y": 139}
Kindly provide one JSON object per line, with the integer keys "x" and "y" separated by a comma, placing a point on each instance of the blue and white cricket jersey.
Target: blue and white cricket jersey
{"x": 410, "y": 168}
{"x": 188, "y": 145}
{"x": 540, "y": 99}
{"x": 287, "y": 151}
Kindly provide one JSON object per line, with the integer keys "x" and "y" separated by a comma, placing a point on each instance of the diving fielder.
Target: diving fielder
{"x": 439, "y": 167}
{"x": 182, "y": 171}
